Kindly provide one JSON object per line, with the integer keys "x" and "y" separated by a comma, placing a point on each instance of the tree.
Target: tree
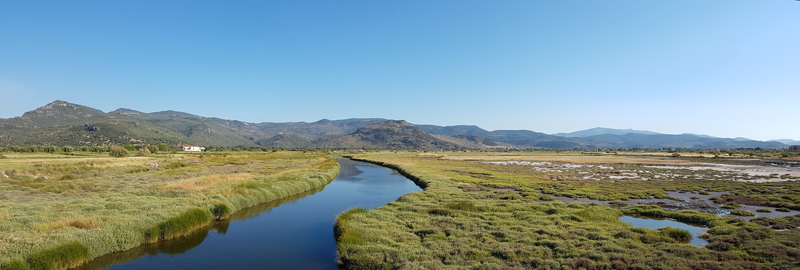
{"x": 117, "y": 151}
{"x": 163, "y": 147}
{"x": 129, "y": 147}
{"x": 143, "y": 151}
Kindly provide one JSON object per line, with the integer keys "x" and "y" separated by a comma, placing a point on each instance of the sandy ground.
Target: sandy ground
{"x": 765, "y": 173}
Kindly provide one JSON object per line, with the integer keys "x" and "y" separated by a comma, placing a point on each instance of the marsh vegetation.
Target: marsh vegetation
{"x": 493, "y": 211}
{"x": 58, "y": 211}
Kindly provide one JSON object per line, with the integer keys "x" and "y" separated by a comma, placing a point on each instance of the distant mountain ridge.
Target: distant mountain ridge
{"x": 787, "y": 141}
{"x": 64, "y": 123}
{"x": 390, "y": 134}
{"x": 603, "y": 131}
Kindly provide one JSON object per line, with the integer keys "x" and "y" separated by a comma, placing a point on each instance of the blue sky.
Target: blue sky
{"x": 723, "y": 68}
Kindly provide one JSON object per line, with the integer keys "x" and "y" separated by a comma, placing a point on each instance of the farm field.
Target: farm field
{"x": 60, "y": 210}
{"x": 483, "y": 210}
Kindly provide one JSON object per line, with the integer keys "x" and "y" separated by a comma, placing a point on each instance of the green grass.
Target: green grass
{"x": 220, "y": 211}
{"x": 64, "y": 256}
{"x": 474, "y": 215}
{"x": 178, "y": 226}
{"x": 742, "y": 213}
{"x": 114, "y": 204}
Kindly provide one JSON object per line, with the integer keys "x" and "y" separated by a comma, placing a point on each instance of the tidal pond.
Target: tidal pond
{"x": 654, "y": 224}
{"x": 293, "y": 233}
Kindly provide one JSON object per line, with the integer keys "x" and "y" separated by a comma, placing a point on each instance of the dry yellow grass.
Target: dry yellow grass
{"x": 78, "y": 222}
{"x": 585, "y": 159}
{"x": 208, "y": 181}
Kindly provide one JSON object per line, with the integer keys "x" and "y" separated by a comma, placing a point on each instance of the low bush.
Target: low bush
{"x": 143, "y": 151}
{"x": 178, "y": 226}
{"x": 15, "y": 264}
{"x": 463, "y": 205}
{"x": 742, "y": 213}
{"x": 679, "y": 235}
{"x": 117, "y": 151}
{"x": 731, "y": 205}
{"x": 220, "y": 211}
{"x": 60, "y": 257}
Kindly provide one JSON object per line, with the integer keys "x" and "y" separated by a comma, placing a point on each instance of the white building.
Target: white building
{"x": 192, "y": 148}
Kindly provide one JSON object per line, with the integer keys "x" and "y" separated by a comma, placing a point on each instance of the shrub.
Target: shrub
{"x": 783, "y": 209}
{"x": 742, "y": 213}
{"x": 15, "y": 264}
{"x": 61, "y": 257}
{"x": 764, "y": 210}
{"x": 153, "y": 149}
{"x": 117, "y": 151}
{"x": 178, "y": 226}
{"x": 464, "y": 206}
{"x": 163, "y": 147}
{"x": 625, "y": 234}
{"x": 731, "y": 205}
{"x": 143, "y": 151}
{"x": 220, "y": 211}
{"x": 679, "y": 235}
{"x": 68, "y": 177}
{"x": 441, "y": 212}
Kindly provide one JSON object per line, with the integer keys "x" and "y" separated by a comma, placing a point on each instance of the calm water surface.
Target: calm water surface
{"x": 293, "y": 233}
{"x": 654, "y": 224}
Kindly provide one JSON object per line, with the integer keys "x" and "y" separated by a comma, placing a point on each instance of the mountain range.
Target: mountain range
{"x": 64, "y": 123}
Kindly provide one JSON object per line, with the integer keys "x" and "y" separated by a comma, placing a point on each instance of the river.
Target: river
{"x": 293, "y": 233}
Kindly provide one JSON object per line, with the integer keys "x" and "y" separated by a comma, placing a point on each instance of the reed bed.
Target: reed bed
{"x": 55, "y": 203}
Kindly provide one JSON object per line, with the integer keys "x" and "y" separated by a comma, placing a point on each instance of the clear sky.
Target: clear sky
{"x": 724, "y": 68}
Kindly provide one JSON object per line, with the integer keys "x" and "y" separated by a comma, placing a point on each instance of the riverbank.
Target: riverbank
{"x": 475, "y": 214}
{"x": 290, "y": 233}
{"x": 60, "y": 211}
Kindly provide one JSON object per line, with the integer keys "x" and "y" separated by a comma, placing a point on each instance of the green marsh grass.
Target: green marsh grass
{"x": 474, "y": 215}
{"x": 117, "y": 203}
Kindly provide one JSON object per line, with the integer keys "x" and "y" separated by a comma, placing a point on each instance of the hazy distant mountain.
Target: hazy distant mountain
{"x": 602, "y": 131}
{"x": 787, "y": 141}
{"x": 390, "y": 134}
{"x": 520, "y": 138}
{"x": 673, "y": 141}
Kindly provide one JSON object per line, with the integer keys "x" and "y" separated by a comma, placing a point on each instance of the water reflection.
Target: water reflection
{"x": 183, "y": 244}
{"x": 292, "y": 233}
{"x": 655, "y": 224}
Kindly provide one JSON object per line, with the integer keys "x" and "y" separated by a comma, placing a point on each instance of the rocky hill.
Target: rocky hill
{"x": 390, "y": 134}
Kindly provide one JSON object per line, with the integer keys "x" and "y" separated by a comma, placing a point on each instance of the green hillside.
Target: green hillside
{"x": 286, "y": 141}
{"x": 391, "y": 134}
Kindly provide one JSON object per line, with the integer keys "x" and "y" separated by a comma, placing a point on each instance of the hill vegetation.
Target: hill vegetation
{"x": 390, "y": 135}
{"x": 61, "y": 123}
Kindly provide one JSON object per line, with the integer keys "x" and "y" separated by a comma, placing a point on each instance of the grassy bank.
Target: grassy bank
{"x": 58, "y": 211}
{"x": 478, "y": 215}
